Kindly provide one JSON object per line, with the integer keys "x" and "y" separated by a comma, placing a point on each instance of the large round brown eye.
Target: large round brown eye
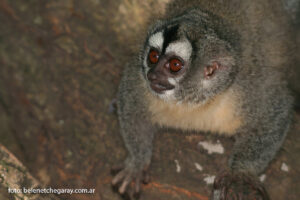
{"x": 175, "y": 65}
{"x": 153, "y": 56}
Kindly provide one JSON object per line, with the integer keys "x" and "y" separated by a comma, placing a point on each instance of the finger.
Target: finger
{"x": 118, "y": 177}
{"x": 137, "y": 184}
{"x": 223, "y": 193}
{"x": 125, "y": 183}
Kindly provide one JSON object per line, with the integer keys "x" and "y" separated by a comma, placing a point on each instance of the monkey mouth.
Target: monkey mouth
{"x": 161, "y": 87}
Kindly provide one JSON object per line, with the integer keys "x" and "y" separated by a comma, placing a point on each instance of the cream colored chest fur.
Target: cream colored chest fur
{"x": 218, "y": 116}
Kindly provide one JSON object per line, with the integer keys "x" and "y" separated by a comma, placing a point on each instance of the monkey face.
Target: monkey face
{"x": 185, "y": 62}
{"x": 166, "y": 60}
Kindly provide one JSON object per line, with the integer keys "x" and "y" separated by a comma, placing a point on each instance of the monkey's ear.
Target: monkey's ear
{"x": 217, "y": 64}
{"x": 210, "y": 69}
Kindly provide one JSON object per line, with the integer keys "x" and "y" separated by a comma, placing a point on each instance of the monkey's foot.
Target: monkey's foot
{"x": 238, "y": 186}
{"x": 127, "y": 180}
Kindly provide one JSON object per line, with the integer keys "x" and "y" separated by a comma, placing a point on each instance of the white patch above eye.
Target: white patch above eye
{"x": 181, "y": 48}
{"x": 156, "y": 40}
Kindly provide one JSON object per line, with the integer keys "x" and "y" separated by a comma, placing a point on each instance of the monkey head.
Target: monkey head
{"x": 189, "y": 61}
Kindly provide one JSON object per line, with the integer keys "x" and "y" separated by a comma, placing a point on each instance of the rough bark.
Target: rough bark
{"x": 15, "y": 177}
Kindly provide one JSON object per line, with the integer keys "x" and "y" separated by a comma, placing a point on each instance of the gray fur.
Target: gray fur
{"x": 256, "y": 36}
{"x": 135, "y": 125}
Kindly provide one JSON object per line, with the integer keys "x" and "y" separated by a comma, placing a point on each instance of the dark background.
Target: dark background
{"x": 60, "y": 65}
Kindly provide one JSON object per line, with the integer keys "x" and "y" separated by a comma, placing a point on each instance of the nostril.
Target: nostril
{"x": 151, "y": 76}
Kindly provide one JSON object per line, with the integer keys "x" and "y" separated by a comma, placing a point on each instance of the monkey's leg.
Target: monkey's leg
{"x": 252, "y": 153}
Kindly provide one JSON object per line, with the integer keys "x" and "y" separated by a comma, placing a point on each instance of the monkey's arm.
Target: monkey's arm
{"x": 256, "y": 145}
{"x": 251, "y": 155}
{"x": 136, "y": 130}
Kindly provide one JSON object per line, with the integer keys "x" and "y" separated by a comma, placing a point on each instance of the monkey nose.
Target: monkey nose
{"x": 151, "y": 76}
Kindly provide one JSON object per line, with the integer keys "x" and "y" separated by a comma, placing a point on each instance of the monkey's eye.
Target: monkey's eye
{"x": 175, "y": 65}
{"x": 153, "y": 56}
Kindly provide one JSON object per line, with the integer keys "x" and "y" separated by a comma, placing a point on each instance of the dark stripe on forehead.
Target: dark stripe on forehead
{"x": 170, "y": 35}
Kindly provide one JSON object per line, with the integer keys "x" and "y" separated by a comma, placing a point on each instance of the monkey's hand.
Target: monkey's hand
{"x": 130, "y": 175}
{"x": 233, "y": 185}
